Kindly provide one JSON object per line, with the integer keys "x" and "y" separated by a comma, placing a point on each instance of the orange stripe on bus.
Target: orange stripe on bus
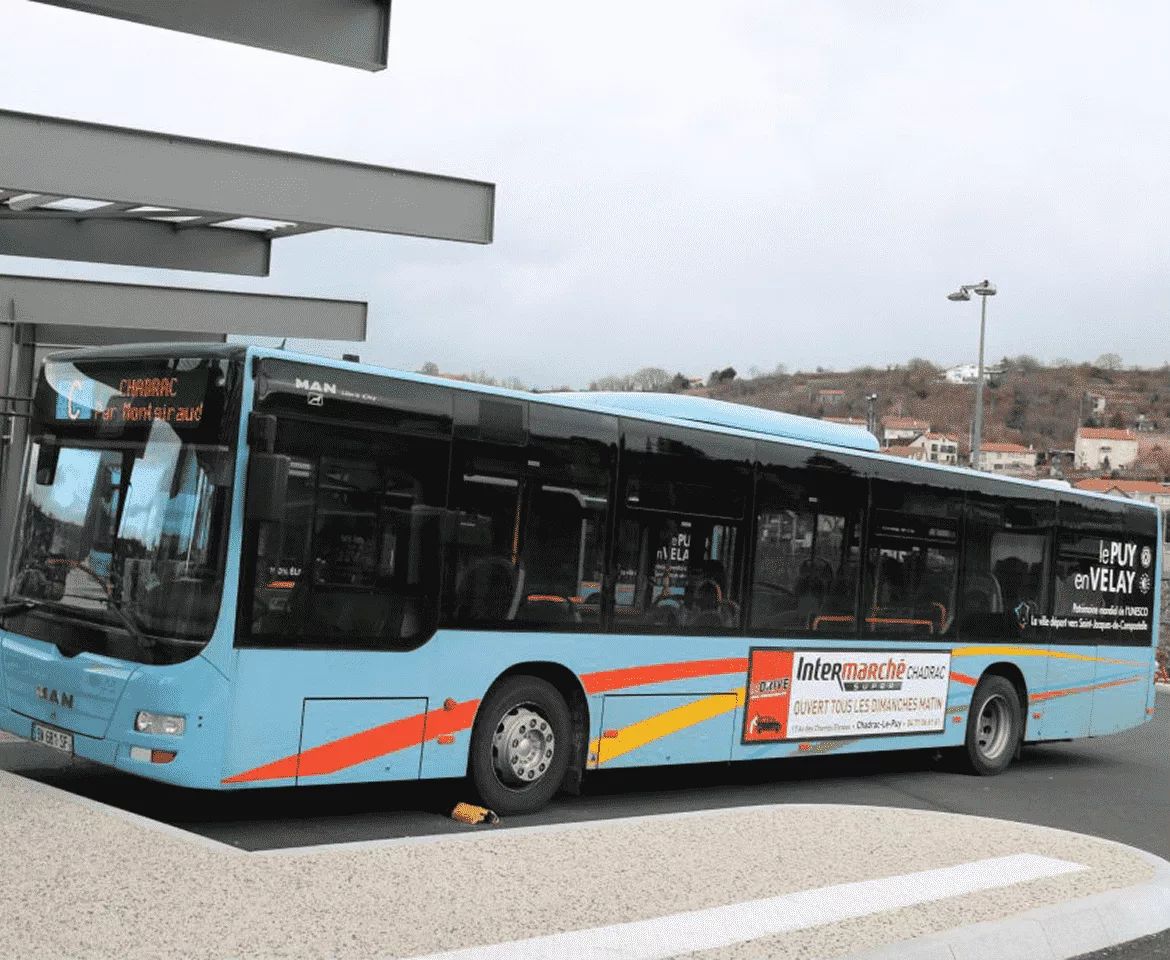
{"x": 364, "y": 745}
{"x": 285, "y": 768}
{"x": 1049, "y": 694}
{"x": 360, "y": 747}
{"x": 604, "y": 680}
{"x": 963, "y": 678}
{"x": 459, "y": 717}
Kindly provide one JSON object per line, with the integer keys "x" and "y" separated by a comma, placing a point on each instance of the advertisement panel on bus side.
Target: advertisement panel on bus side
{"x": 820, "y": 694}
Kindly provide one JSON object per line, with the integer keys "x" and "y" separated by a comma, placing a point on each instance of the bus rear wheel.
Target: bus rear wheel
{"x": 521, "y": 745}
{"x": 994, "y": 726}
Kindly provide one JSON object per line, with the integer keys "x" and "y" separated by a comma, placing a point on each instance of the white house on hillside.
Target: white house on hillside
{"x": 1006, "y": 458}
{"x": 1100, "y": 448}
{"x": 901, "y": 430}
{"x": 969, "y": 373}
{"x": 938, "y": 447}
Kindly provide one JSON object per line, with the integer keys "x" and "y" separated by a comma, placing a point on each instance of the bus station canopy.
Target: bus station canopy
{"x": 353, "y": 33}
{"x": 72, "y": 190}
{"x": 86, "y": 313}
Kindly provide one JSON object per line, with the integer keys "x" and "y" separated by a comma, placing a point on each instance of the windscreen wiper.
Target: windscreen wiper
{"x": 124, "y": 618}
{"x": 130, "y": 624}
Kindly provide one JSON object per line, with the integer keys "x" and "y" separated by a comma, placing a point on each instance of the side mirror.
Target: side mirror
{"x": 267, "y": 486}
{"x": 46, "y": 466}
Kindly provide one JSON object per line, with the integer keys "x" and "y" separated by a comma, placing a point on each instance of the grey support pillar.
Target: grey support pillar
{"x": 20, "y": 385}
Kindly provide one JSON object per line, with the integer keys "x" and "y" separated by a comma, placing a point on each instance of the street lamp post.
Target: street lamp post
{"x": 983, "y": 290}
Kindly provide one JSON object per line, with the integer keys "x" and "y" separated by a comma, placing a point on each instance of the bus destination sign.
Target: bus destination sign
{"x": 171, "y": 397}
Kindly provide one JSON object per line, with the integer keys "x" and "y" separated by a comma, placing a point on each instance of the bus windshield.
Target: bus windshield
{"x": 124, "y": 516}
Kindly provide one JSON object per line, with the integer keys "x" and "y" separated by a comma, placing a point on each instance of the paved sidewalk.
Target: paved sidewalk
{"x": 83, "y": 880}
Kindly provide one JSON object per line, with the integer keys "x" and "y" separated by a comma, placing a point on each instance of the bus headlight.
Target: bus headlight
{"x": 159, "y": 723}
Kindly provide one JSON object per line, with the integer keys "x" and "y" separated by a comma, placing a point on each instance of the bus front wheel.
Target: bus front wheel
{"x": 521, "y": 745}
{"x": 994, "y": 726}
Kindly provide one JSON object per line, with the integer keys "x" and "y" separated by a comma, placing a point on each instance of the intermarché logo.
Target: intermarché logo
{"x": 855, "y": 675}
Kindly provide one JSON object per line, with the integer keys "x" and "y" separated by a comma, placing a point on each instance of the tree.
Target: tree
{"x": 1109, "y": 361}
{"x": 614, "y": 383}
{"x": 430, "y": 369}
{"x": 1116, "y": 421}
{"x": 680, "y": 382}
{"x": 779, "y": 370}
{"x": 721, "y": 376}
{"x": 653, "y": 379}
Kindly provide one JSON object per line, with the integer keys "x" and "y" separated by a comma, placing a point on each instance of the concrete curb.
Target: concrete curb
{"x": 1051, "y": 933}
{"x": 157, "y": 826}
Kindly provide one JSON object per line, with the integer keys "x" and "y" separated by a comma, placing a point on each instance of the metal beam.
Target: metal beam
{"x": 64, "y": 335}
{"x": 32, "y": 201}
{"x": 137, "y": 243}
{"x": 352, "y": 33}
{"x": 69, "y": 158}
{"x": 144, "y": 312}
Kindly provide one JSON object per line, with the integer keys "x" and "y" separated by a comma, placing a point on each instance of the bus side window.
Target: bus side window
{"x": 806, "y": 564}
{"x": 1006, "y": 568}
{"x": 571, "y": 458}
{"x": 1105, "y": 568}
{"x": 912, "y": 566}
{"x": 339, "y": 571}
{"x": 679, "y": 546}
{"x": 544, "y": 495}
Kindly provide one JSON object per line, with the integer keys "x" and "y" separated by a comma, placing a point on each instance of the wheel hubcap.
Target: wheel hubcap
{"x": 993, "y": 728}
{"x": 522, "y": 746}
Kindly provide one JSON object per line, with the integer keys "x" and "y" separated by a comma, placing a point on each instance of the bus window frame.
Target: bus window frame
{"x": 276, "y": 404}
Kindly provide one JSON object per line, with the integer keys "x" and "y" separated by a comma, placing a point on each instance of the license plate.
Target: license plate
{"x": 57, "y": 739}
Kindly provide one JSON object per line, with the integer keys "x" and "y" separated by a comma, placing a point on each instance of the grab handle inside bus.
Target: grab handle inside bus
{"x": 267, "y": 486}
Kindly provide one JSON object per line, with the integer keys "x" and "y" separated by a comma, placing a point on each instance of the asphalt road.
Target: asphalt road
{"x": 1115, "y": 787}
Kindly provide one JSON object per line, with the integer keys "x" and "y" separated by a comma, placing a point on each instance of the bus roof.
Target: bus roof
{"x": 650, "y": 406}
{"x": 719, "y": 413}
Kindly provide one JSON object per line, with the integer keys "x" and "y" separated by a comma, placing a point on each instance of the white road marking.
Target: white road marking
{"x": 684, "y": 933}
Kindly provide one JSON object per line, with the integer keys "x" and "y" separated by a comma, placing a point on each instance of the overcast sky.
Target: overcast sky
{"x": 691, "y": 185}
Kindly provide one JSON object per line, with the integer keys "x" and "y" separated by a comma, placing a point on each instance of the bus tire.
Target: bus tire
{"x": 995, "y": 727}
{"x": 521, "y": 745}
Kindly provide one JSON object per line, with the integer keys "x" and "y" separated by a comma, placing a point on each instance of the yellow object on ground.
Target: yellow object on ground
{"x": 469, "y": 813}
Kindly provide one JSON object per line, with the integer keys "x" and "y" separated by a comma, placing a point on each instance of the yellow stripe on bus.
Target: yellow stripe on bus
{"x": 1037, "y": 652}
{"x": 663, "y": 724}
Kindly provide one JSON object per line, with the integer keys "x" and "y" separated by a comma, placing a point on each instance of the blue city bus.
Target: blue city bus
{"x": 238, "y": 567}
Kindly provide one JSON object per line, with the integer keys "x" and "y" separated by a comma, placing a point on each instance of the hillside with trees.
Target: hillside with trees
{"x": 1026, "y": 402}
